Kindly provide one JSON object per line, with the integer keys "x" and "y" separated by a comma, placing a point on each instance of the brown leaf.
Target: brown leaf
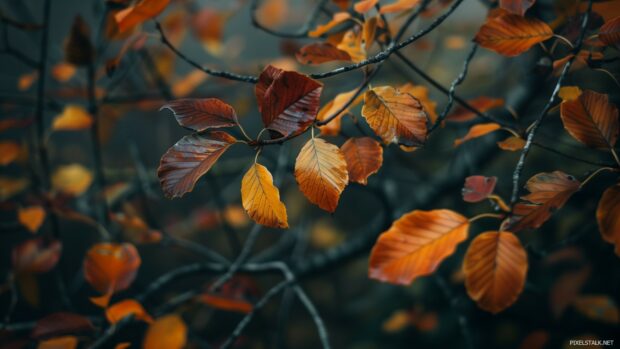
{"x": 202, "y": 114}
{"x": 511, "y": 35}
{"x": 31, "y": 217}
{"x": 36, "y": 256}
{"x": 124, "y": 308}
{"x": 548, "y": 193}
{"x": 9, "y": 152}
{"x": 566, "y": 289}
{"x": 66, "y": 342}
{"x": 610, "y": 32}
{"x": 141, "y": 12}
{"x": 318, "y": 53}
{"x": 421, "y": 93}
{"x": 337, "y": 19}
{"x": 226, "y": 303}
{"x": 598, "y": 307}
{"x": 517, "y": 7}
{"x": 321, "y": 173}
{"x": 481, "y": 104}
{"x": 535, "y": 340}
{"x": 261, "y": 198}
{"x": 135, "y": 228}
{"x": 288, "y": 101}
{"x": 495, "y": 267}
{"x": 416, "y": 244}
{"x": 72, "y": 118}
{"x": 167, "y": 332}
{"x": 79, "y": 49}
{"x": 60, "y": 324}
{"x": 478, "y": 188}
{"x": 512, "y": 143}
{"x": 395, "y": 117}
{"x": 608, "y": 216}
{"x": 364, "y": 157}
{"x": 591, "y": 119}
{"x": 477, "y": 131}
{"x": 110, "y": 267}
{"x": 189, "y": 159}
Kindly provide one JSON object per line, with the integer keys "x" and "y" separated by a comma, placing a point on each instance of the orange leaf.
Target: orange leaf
{"x": 421, "y": 93}
{"x": 591, "y": 119}
{"x": 36, "y": 256}
{"x": 31, "y": 217}
{"x": 342, "y": 4}
{"x": 598, "y": 307}
{"x": 608, "y": 216}
{"x": 189, "y": 159}
{"x": 397, "y": 321}
{"x": 187, "y": 84}
{"x": 495, "y": 267}
{"x": 104, "y": 300}
{"x": 72, "y": 179}
{"x": 25, "y": 81}
{"x": 518, "y": 7}
{"x": 353, "y": 44}
{"x": 127, "y": 307}
{"x": 512, "y": 143}
{"x": 123, "y": 345}
{"x": 477, "y": 131}
{"x": 273, "y": 13}
{"x": 261, "y": 198}
{"x": 167, "y": 332}
{"x": 478, "y": 188}
{"x": 141, "y": 12}
{"x": 548, "y": 193}
{"x": 226, "y": 303}
{"x": 337, "y": 19}
{"x": 569, "y": 93}
{"x": 111, "y": 266}
{"x": 610, "y": 32}
{"x": 364, "y": 156}
{"x": 416, "y": 244}
{"x": 208, "y": 26}
{"x": 333, "y": 127}
{"x": 63, "y": 72}
{"x": 135, "y": 228}
{"x": 60, "y": 324}
{"x": 202, "y": 114}
{"x": 319, "y": 53}
{"x": 9, "y": 151}
{"x": 363, "y": 6}
{"x": 72, "y": 118}
{"x": 481, "y": 104}
{"x": 395, "y": 117}
{"x": 399, "y": 6}
{"x": 11, "y": 186}
{"x": 511, "y": 35}
{"x": 321, "y": 173}
{"x": 67, "y": 342}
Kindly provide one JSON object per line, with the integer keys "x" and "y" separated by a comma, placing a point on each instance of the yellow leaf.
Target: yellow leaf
{"x": 73, "y": 117}
{"x": 167, "y": 332}
{"x": 72, "y": 179}
{"x": 352, "y": 44}
{"x": 569, "y": 93}
{"x": 31, "y": 217}
{"x": 261, "y": 199}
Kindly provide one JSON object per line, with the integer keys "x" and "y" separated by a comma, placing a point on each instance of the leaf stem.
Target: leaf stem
{"x": 486, "y": 215}
{"x": 594, "y": 174}
{"x": 615, "y": 155}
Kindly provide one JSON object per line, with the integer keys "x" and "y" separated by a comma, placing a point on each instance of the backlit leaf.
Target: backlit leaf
{"x": 72, "y": 118}
{"x": 110, "y": 267}
{"x": 495, "y": 267}
{"x": 31, "y": 217}
{"x": 598, "y": 307}
{"x": 511, "y": 35}
{"x": 478, "y": 188}
{"x": 364, "y": 157}
{"x": 202, "y": 114}
{"x": 591, "y": 119}
{"x": 124, "y": 308}
{"x": 318, "y": 53}
{"x": 477, "y": 131}
{"x": 353, "y": 44}
{"x": 61, "y": 323}
{"x": 569, "y": 93}
{"x": 416, "y": 244}
{"x": 167, "y": 332}
{"x": 9, "y": 151}
{"x": 36, "y": 256}
{"x": 336, "y": 20}
{"x": 608, "y": 216}
{"x": 399, "y": 6}
{"x": 72, "y": 179}
{"x": 517, "y": 7}
{"x": 261, "y": 198}
{"x": 512, "y": 143}
{"x": 395, "y": 117}
{"x": 333, "y": 106}
{"x": 189, "y": 159}
{"x": 321, "y": 173}
{"x": 139, "y": 13}
{"x": 421, "y": 93}
{"x": 363, "y": 6}
{"x": 610, "y": 32}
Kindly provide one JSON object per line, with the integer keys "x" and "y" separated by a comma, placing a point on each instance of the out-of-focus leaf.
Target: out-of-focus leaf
{"x": 535, "y": 340}
{"x": 261, "y": 198}
{"x": 608, "y": 216}
{"x": 187, "y": 84}
{"x": 481, "y": 104}
{"x": 11, "y": 186}
{"x": 336, "y": 20}
{"x": 511, "y": 35}
{"x": 202, "y": 114}
{"x": 495, "y": 267}
{"x": 353, "y": 44}
{"x": 72, "y": 118}
{"x": 63, "y": 72}
{"x": 66, "y": 342}
{"x": 364, "y": 157}
{"x": 517, "y": 7}
{"x": 79, "y": 49}
{"x": 363, "y": 6}
{"x": 135, "y": 228}
{"x": 478, "y": 188}
{"x": 318, "y": 53}
{"x": 110, "y": 267}
{"x": 512, "y": 143}
{"x": 591, "y": 119}
{"x": 566, "y": 289}
{"x": 208, "y": 26}
{"x": 597, "y": 307}
{"x": 167, "y": 332}
{"x": 226, "y": 303}
{"x": 31, "y": 217}
{"x": 399, "y": 6}
{"x": 416, "y": 244}
{"x": 477, "y": 131}
{"x": 273, "y": 13}
{"x": 399, "y": 320}
{"x": 141, "y": 12}
{"x": 72, "y": 179}
{"x": 610, "y": 32}
{"x": 124, "y": 308}
{"x": 36, "y": 256}
{"x": 9, "y": 151}
{"x": 26, "y": 81}
{"x": 569, "y": 93}
{"x": 60, "y": 324}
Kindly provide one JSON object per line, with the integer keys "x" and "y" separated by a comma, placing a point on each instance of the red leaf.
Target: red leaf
{"x": 59, "y": 324}
{"x": 36, "y": 256}
{"x": 478, "y": 188}
{"x": 610, "y": 32}
{"x": 202, "y": 114}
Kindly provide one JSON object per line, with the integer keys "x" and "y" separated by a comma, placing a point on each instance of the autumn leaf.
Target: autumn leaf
{"x": 569, "y": 93}
{"x": 63, "y": 72}
{"x": 189, "y": 159}
{"x": 261, "y": 198}
{"x": 167, "y": 332}
{"x": 321, "y": 173}
{"x": 9, "y": 152}
{"x": 187, "y": 84}
{"x": 288, "y": 101}
{"x": 202, "y": 114}
{"x": 364, "y": 157}
{"x": 477, "y": 131}
{"x": 512, "y": 143}
{"x": 79, "y": 49}
{"x": 511, "y": 35}
{"x": 421, "y": 93}
{"x": 139, "y": 13}
{"x": 399, "y": 6}
{"x": 36, "y": 256}
{"x": 124, "y": 308}
{"x": 416, "y": 244}
{"x": 363, "y": 6}
{"x": 478, "y": 188}
{"x": 72, "y": 179}
{"x": 273, "y": 13}
{"x": 66, "y": 342}
{"x": 608, "y": 216}
{"x": 517, "y": 7}
{"x": 598, "y": 307}
{"x": 11, "y": 186}
{"x": 208, "y": 26}
{"x": 610, "y": 32}
{"x": 591, "y": 119}
{"x": 353, "y": 44}
{"x": 135, "y": 228}
{"x": 495, "y": 267}
{"x": 482, "y": 104}
{"x": 111, "y": 267}
{"x": 319, "y": 53}
{"x": 60, "y": 324}
{"x": 333, "y": 106}
{"x": 395, "y": 117}
{"x": 548, "y": 193}
{"x": 31, "y": 217}
{"x": 336, "y": 20}
{"x": 26, "y": 81}
{"x": 72, "y": 118}
{"x": 226, "y": 303}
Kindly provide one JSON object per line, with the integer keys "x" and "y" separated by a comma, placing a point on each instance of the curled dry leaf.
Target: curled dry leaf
{"x": 477, "y": 131}
{"x": 261, "y": 198}
{"x": 59, "y": 324}
{"x": 598, "y": 307}
{"x": 416, "y": 244}
{"x": 608, "y": 216}
{"x": 336, "y": 20}
{"x": 517, "y": 7}
{"x": 72, "y": 179}
{"x": 9, "y": 152}
{"x": 189, "y": 159}
{"x": 321, "y": 173}
{"x": 482, "y": 104}
{"x": 512, "y": 143}
{"x": 511, "y": 35}
{"x": 202, "y": 114}
{"x": 478, "y": 188}
{"x": 610, "y": 32}
{"x": 167, "y": 332}
{"x": 363, "y": 6}
{"x": 364, "y": 157}
{"x": 139, "y": 13}
{"x": 36, "y": 256}
{"x": 495, "y": 267}
{"x": 318, "y": 53}
{"x": 288, "y": 101}
{"x": 124, "y": 308}
{"x": 395, "y": 117}
{"x": 72, "y": 118}
{"x": 421, "y": 93}
{"x": 333, "y": 127}
{"x": 31, "y": 217}
{"x": 548, "y": 193}
{"x": 591, "y": 119}
{"x": 110, "y": 267}
{"x": 399, "y": 6}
